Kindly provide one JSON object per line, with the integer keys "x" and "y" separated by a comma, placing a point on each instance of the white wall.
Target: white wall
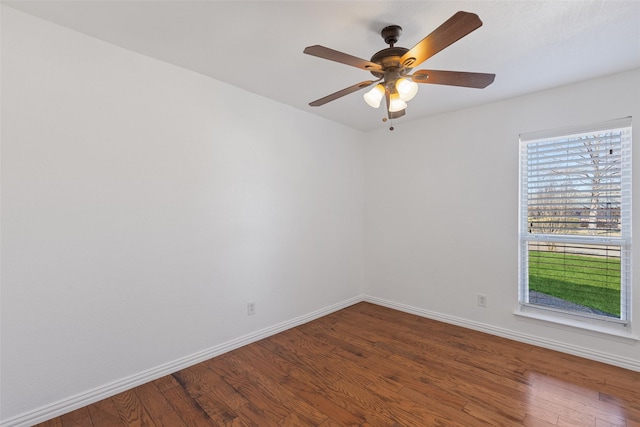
{"x": 144, "y": 205}
{"x": 442, "y": 211}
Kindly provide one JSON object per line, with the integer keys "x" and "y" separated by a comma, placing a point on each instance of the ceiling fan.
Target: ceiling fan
{"x": 392, "y": 66}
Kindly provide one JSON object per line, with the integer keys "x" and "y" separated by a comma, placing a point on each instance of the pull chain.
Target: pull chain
{"x": 384, "y": 120}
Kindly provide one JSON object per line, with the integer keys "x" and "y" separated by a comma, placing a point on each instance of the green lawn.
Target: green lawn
{"x": 589, "y": 281}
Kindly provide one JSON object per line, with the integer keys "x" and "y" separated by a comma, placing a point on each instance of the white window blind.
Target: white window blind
{"x": 575, "y": 220}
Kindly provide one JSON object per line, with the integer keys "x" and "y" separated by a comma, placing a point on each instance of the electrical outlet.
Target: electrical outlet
{"x": 251, "y": 308}
{"x": 482, "y": 300}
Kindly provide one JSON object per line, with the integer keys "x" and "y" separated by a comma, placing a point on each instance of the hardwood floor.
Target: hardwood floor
{"x": 371, "y": 366}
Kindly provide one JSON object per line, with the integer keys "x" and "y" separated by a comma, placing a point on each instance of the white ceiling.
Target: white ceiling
{"x": 257, "y": 45}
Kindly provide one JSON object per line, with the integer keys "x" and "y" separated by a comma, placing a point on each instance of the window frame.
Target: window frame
{"x": 617, "y": 326}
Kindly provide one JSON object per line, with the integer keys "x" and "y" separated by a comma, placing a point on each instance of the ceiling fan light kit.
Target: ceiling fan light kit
{"x": 396, "y": 103}
{"x": 407, "y": 89}
{"x": 374, "y": 96}
{"x": 393, "y": 66}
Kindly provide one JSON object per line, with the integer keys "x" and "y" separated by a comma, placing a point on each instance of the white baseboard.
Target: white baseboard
{"x": 83, "y": 399}
{"x": 627, "y": 363}
{"x": 108, "y": 390}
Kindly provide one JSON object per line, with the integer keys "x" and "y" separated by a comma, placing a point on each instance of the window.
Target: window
{"x": 575, "y": 222}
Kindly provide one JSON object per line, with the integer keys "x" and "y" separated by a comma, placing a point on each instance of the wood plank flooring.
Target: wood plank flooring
{"x": 368, "y": 365}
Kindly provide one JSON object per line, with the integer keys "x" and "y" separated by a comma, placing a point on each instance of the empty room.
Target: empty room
{"x": 319, "y": 213}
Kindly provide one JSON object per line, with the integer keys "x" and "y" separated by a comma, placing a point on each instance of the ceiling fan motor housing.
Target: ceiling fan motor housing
{"x": 389, "y": 58}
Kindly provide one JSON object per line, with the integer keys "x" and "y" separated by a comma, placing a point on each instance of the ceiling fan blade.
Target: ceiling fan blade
{"x": 341, "y": 93}
{"x": 453, "y": 78}
{"x": 452, "y": 30}
{"x": 344, "y": 58}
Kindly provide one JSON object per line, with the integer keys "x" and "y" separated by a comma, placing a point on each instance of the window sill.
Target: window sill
{"x": 615, "y": 330}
